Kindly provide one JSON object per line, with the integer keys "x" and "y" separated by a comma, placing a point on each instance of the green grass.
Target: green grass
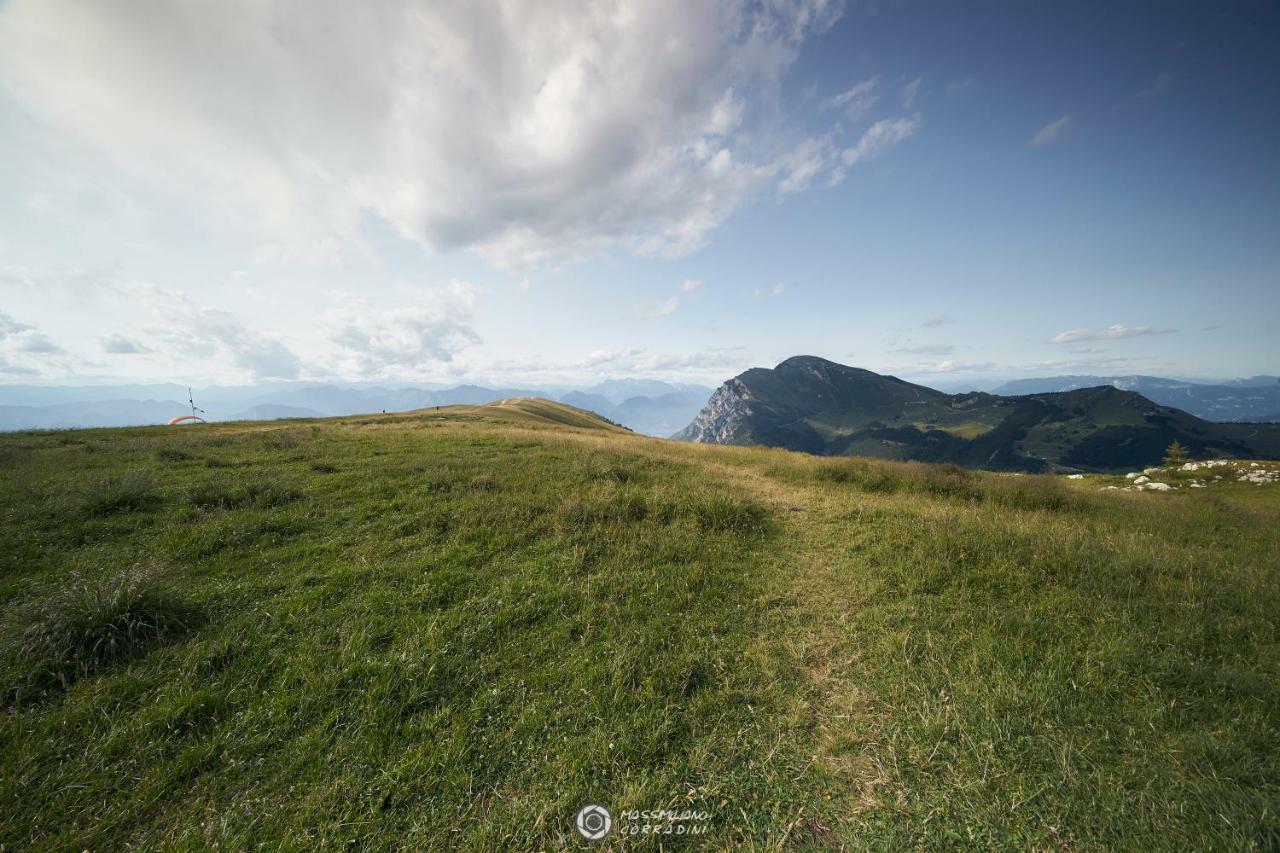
{"x": 451, "y": 629}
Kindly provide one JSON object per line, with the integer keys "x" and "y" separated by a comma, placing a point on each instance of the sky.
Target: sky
{"x": 518, "y": 193}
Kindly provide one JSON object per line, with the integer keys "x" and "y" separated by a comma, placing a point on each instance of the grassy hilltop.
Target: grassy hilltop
{"x": 451, "y": 629}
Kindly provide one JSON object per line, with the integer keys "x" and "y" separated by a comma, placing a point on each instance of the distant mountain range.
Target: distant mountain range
{"x": 818, "y": 406}
{"x": 646, "y": 406}
{"x": 1255, "y": 399}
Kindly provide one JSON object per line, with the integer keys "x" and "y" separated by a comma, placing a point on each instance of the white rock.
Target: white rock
{"x": 1197, "y": 485}
{"x": 1156, "y": 487}
{"x": 1075, "y": 476}
{"x": 1140, "y": 480}
{"x": 1132, "y": 474}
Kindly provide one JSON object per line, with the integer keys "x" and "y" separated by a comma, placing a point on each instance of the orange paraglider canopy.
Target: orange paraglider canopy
{"x": 182, "y": 418}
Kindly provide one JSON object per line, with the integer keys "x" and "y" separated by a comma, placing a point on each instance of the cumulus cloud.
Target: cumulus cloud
{"x": 384, "y": 342}
{"x": 880, "y": 137}
{"x": 121, "y": 345}
{"x": 777, "y": 290}
{"x": 1050, "y": 131}
{"x": 203, "y": 333}
{"x": 16, "y": 337}
{"x": 531, "y": 132}
{"x": 689, "y": 285}
{"x": 1109, "y": 333}
{"x": 24, "y": 349}
{"x": 33, "y": 341}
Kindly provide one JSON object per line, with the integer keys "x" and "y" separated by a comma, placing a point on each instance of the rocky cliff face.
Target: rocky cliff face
{"x": 724, "y": 419}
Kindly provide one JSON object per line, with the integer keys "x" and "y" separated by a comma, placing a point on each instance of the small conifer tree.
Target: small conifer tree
{"x": 1176, "y": 454}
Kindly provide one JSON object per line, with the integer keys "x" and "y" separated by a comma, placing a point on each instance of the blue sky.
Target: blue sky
{"x": 510, "y": 193}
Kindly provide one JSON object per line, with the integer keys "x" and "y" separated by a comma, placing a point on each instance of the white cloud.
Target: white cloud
{"x": 24, "y": 349}
{"x": 928, "y": 349}
{"x": 10, "y": 326}
{"x": 804, "y": 163}
{"x": 909, "y": 94}
{"x": 13, "y": 369}
{"x": 201, "y": 333}
{"x": 640, "y": 362}
{"x": 667, "y": 308}
{"x": 121, "y": 345}
{"x": 855, "y": 101}
{"x": 1050, "y": 131}
{"x": 32, "y": 341}
{"x": 1109, "y": 333}
{"x": 401, "y": 341}
{"x": 777, "y": 290}
{"x": 533, "y": 133}
{"x": 671, "y": 304}
{"x": 601, "y": 357}
{"x": 951, "y": 366}
{"x": 880, "y": 137}
{"x": 936, "y": 320}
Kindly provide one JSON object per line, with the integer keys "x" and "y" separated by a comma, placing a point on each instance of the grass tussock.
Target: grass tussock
{"x": 949, "y": 482}
{"x": 625, "y": 505}
{"x": 260, "y": 493}
{"x": 13, "y": 456}
{"x": 89, "y": 624}
{"x": 132, "y": 491}
{"x": 726, "y": 514}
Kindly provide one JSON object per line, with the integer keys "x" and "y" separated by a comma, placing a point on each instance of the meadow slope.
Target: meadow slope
{"x": 450, "y": 629}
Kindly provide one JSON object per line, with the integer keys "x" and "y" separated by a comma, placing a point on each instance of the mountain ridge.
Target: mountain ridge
{"x": 1255, "y": 399}
{"x": 818, "y": 406}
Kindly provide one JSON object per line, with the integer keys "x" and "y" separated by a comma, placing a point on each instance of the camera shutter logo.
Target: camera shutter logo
{"x": 593, "y": 821}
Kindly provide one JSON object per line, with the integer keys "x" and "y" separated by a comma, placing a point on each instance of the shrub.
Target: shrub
{"x": 173, "y": 454}
{"x": 132, "y": 492}
{"x": 90, "y": 624}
